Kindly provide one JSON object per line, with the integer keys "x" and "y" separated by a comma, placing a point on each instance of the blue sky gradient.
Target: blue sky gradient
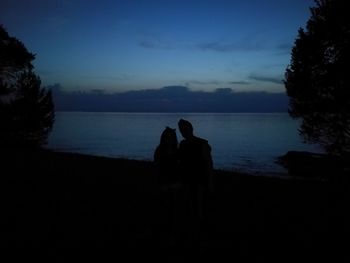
{"x": 126, "y": 45}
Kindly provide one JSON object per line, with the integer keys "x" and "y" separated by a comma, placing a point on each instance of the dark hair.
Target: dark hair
{"x": 168, "y": 136}
{"x": 185, "y": 124}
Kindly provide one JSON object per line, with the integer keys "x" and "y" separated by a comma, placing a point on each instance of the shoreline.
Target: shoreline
{"x": 233, "y": 170}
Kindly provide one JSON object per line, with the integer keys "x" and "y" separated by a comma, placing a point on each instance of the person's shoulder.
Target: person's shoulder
{"x": 201, "y": 140}
{"x": 204, "y": 144}
{"x": 156, "y": 154}
{"x": 182, "y": 143}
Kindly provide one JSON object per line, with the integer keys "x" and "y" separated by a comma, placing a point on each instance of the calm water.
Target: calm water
{"x": 240, "y": 141}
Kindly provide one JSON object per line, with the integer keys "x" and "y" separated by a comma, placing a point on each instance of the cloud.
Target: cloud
{"x": 154, "y": 44}
{"x": 46, "y": 72}
{"x": 224, "y": 90}
{"x": 216, "y": 46}
{"x": 239, "y": 82}
{"x": 284, "y": 48}
{"x": 98, "y": 91}
{"x": 274, "y": 80}
{"x": 147, "y": 44}
{"x": 170, "y": 99}
{"x": 122, "y": 77}
{"x": 217, "y": 82}
{"x": 209, "y": 82}
{"x": 244, "y": 45}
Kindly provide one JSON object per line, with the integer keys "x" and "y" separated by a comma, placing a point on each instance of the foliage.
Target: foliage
{"x": 26, "y": 109}
{"x": 317, "y": 79}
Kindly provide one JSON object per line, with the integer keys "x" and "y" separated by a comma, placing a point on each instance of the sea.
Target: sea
{"x": 242, "y": 142}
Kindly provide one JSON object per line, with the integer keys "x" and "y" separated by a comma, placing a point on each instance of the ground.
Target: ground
{"x": 85, "y": 208}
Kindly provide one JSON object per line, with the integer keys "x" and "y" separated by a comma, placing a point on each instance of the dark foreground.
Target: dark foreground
{"x": 63, "y": 207}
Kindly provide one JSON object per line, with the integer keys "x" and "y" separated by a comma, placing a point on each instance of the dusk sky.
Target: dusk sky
{"x": 125, "y": 45}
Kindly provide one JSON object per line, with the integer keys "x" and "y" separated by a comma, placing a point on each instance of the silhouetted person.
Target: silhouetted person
{"x": 166, "y": 158}
{"x": 196, "y": 166}
{"x": 168, "y": 179}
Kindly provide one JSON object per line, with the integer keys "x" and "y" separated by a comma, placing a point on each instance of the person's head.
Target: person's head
{"x": 185, "y": 128}
{"x": 168, "y": 137}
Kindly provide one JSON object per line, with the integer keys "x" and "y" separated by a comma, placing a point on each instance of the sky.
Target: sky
{"x": 123, "y": 45}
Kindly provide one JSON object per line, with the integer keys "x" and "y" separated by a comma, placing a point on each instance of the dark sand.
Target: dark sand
{"x": 64, "y": 207}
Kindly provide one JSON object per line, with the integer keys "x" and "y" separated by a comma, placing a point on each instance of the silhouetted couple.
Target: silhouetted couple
{"x": 189, "y": 164}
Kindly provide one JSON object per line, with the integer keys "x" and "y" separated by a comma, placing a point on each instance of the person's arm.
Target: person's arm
{"x": 156, "y": 155}
{"x": 208, "y": 162}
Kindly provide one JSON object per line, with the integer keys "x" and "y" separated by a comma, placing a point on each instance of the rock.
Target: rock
{"x": 308, "y": 164}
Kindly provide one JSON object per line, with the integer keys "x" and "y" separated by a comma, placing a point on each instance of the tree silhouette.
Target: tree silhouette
{"x": 317, "y": 79}
{"x": 26, "y": 109}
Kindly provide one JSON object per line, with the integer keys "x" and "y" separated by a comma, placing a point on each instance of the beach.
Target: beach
{"x": 98, "y": 208}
